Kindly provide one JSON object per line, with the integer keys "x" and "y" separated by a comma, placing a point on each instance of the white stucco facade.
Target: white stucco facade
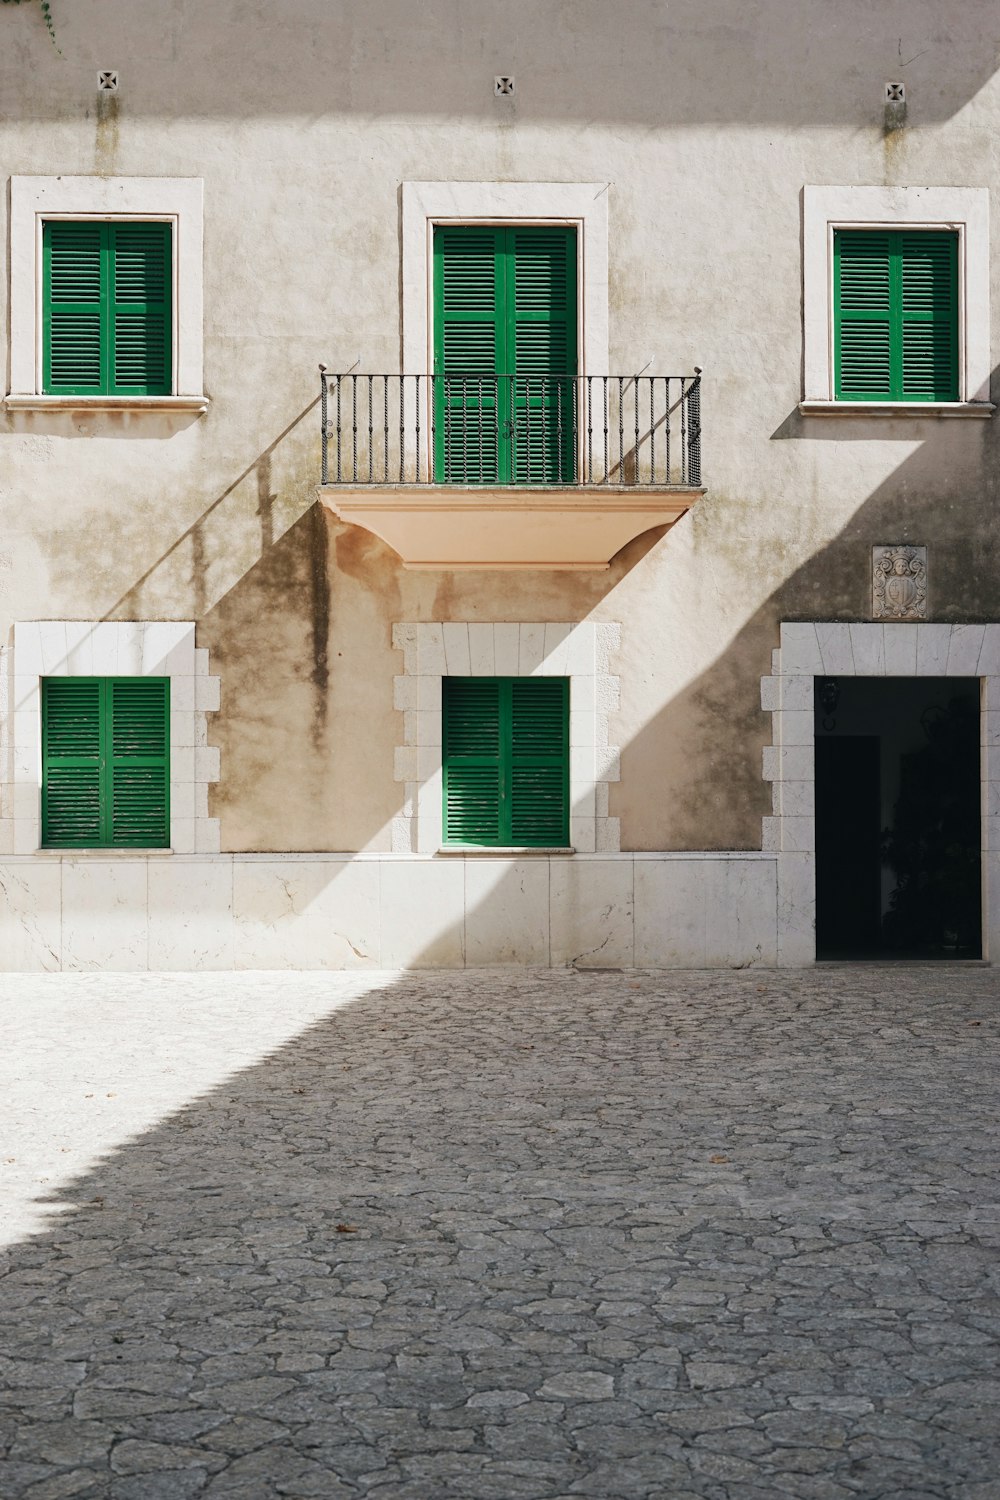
{"x": 181, "y": 535}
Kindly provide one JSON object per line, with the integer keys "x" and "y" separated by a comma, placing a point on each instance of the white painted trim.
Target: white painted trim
{"x": 179, "y": 200}
{"x": 128, "y": 405}
{"x": 908, "y": 410}
{"x": 581, "y": 204}
{"x": 462, "y": 648}
{"x": 118, "y": 648}
{"x": 834, "y": 649}
{"x": 964, "y": 209}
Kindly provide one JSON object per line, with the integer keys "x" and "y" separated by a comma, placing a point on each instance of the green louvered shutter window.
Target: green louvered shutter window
{"x": 72, "y": 771}
{"x": 105, "y": 762}
{"x": 140, "y": 308}
{"x": 541, "y": 348}
{"x": 472, "y": 761}
{"x": 929, "y": 298}
{"x": 107, "y": 308}
{"x": 471, "y": 444}
{"x": 506, "y": 761}
{"x": 505, "y": 314}
{"x": 74, "y": 307}
{"x": 896, "y": 315}
{"x": 138, "y": 746}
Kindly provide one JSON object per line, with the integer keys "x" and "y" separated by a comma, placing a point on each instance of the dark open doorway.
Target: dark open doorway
{"x": 898, "y": 821}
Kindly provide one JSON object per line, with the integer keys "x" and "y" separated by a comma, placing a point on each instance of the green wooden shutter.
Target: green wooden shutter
{"x": 929, "y": 315}
{"x": 539, "y": 800}
{"x": 107, "y": 299}
{"x": 863, "y": 316}
{"x": 896, "y": 315}
{"x": 469, "y": 341}
{"x": 541, "y": 346}
{"x": 73, "y": 304}
{"x": 472, "y": 760}
{"x": 506, "y": 761}
{"x": 505, "y": 316}
{"x": 138, "y": 753}
{"x": 105, "y": 762}
{"x": 71, "y": 762}
{"x": 140, "y": 308}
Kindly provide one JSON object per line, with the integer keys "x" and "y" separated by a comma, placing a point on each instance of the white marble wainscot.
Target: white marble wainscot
{"x": 342, "y": 911}
{"x": 422, "y": 914}
{"x": 109, "y": 648}
{"x": 30, "y": 916}
{"x": 105, "y": 911}
{"x": 190, "y": 914}
{"x": 432, "y": 650}
{"x": 884, "y": 649}
{"x": 305, "y": 914}
{"x": 592, "y": 913}
{"x": 6, "y": 751}
{"x": 507, "y": 912}
{"x": 705, "y": 910}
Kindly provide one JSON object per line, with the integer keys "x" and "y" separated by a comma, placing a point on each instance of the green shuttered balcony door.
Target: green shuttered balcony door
{"x": 106, "y": 320}
{"x": 506, "y": 761}
{"x": 505, "y": 354}
{"x": 105, "y": 762}
{"x": 895, "y": 303}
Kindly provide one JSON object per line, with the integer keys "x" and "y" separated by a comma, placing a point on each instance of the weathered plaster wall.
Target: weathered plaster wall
{"x": 303, "y": 117}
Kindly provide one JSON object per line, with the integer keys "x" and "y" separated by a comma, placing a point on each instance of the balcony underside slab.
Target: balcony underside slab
{"x": 573, "y": 529}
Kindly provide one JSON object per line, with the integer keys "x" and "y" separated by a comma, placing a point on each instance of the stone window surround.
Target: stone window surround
{"x": 59, "y": 648}
{"x": 836, "y": 649}
{"x": 583, "y": 205}
{"x": 474, "y": 648}
{"x": 964, "y": 209}
{"x": 176, "y": 200}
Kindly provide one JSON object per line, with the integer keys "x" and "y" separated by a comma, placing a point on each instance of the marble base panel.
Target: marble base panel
{"x": 289, "y": 911}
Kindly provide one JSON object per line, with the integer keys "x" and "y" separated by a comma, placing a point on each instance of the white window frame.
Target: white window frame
{"x": 178, "y": 201}
{"x": 579, "y": 205}
{"x": 114, "y": 648}
{"x": 432, "y": 650}
{"x": 962, "y": 210}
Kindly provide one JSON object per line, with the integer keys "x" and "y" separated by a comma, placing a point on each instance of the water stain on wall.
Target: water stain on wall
{"x": 107, "y": 135}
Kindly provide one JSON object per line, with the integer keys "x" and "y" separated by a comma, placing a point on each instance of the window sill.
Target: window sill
{"x": 908, "y": 409}
{"x": 129, "y": 404}
{"x": 501, "y": 851}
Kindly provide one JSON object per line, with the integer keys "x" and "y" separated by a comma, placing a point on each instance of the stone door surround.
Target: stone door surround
{"x": 833, "y": 649}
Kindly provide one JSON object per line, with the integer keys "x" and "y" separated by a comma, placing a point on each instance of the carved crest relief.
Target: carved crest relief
{"x": 899, "y": 582}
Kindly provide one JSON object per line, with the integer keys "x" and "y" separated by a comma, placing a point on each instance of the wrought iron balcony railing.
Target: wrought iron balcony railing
{"x": 609, "y": 431}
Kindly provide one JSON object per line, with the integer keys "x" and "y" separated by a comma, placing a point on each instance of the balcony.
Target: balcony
{"x": 503, "y": 471}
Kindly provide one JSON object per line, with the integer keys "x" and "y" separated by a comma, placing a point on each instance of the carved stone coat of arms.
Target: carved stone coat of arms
{"x": 899, "y": 583}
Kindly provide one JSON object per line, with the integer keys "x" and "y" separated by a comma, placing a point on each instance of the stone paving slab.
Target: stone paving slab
{"x": 486, "y": 1236}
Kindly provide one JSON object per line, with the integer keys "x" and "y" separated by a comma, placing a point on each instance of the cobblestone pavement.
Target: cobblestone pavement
{"x": 492, "y": 1236}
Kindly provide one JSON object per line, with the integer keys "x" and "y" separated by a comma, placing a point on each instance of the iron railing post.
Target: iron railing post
{"x": 324, "y": 471}
{"x": 354, "y": 428}
{"x": 694, "y": 429}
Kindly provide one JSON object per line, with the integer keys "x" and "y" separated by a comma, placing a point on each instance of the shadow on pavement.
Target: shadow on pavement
{"x": 540, "y": 1235}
